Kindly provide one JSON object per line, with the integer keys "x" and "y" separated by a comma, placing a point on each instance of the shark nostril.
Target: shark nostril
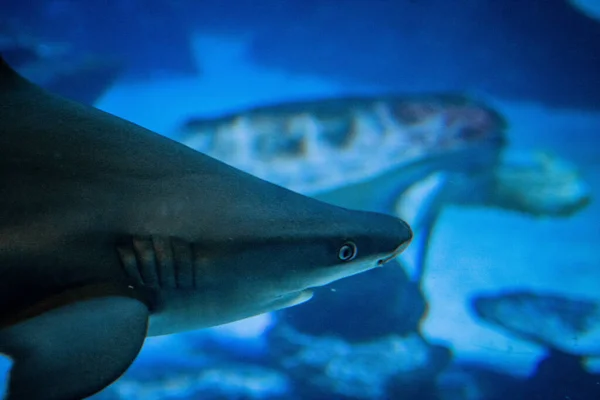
{"x": 387, "y": 259}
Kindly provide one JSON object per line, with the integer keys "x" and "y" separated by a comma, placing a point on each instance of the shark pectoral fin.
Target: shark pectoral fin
{"x": 74, "y": 350}
{"x": 420, "y": 205}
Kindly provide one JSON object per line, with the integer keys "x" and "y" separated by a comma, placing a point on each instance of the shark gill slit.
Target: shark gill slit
{"x": 163, "y": 253}
{"x": 159, "y": 263}
{"x": 144, "y": 252}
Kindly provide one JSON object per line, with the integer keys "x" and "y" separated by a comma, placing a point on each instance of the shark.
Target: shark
{"x": 110, "y": 233}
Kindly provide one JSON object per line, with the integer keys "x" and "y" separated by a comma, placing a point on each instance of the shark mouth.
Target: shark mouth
{"x": 396, "y": 252}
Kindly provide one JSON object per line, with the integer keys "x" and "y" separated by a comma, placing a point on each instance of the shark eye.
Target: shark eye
{"x": 347, "y": 252}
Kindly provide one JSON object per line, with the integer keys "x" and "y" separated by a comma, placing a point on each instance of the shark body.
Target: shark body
{"x": 110, "y": 232}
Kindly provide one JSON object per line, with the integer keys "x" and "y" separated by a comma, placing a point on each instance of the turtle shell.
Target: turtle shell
{"x": 314, "y": 146}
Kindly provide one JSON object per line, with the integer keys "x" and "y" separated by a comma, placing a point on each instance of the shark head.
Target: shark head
{"x": 328, "y": 243}
{"x": 263, "y": 256}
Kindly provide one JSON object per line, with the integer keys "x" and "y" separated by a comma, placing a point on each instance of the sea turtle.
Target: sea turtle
{"x": 567, "y": 326}
{"x": 558, "y": 322}
{"x": 407, "y": 155}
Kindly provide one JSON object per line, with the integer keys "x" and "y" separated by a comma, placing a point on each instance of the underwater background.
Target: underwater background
{"x": 475, "y": 120}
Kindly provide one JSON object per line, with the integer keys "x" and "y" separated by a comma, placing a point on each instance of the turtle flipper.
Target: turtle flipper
{"x": 75, "y": 349}
{"x": 420, "y": 206}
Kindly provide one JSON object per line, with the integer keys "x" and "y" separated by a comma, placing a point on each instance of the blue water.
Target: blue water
{"x": 535, "y": 62}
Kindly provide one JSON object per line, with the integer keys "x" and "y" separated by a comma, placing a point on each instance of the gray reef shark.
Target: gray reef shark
{"x": 110, "y": 233}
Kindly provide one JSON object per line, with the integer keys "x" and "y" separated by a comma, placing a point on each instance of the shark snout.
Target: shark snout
{"x": 405, "y": 235}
